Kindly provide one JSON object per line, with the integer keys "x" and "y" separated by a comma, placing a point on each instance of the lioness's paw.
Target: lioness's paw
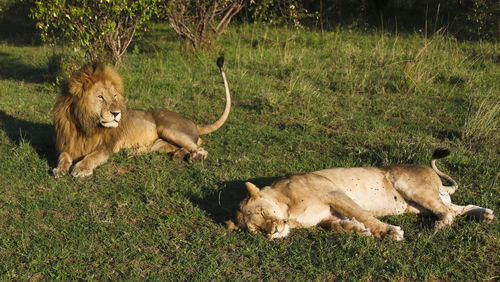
{"x": 80, "y": 171}
{"x": 447, "y": 220}
{"x": 59, "y": 172}
{"x": 394, "y": 233}
{"x": 488, "y": 215}
{"x": 198, "y": 155}
{"x": 365, "y": 232}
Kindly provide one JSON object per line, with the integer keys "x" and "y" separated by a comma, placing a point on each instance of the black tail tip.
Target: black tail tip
{"x": 440, "y": 153}
{"x": 220, "y": 62}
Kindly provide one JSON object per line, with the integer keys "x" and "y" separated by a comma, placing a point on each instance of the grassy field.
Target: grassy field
{"x": 302, "y": 101}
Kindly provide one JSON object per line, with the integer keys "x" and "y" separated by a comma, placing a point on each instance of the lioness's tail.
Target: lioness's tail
{"x": 205, "y": 129}
{"x": 439, "y": 154}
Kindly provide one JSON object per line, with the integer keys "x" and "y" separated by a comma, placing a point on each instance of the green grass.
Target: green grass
{"x": 302, "y": 101}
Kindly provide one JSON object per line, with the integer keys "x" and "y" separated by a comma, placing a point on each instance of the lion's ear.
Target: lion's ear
{"x": 115, "y": 78}
{"x": 252, "y": 190}
{"x": 75, "y": 87}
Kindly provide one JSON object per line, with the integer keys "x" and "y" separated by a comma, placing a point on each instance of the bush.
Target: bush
{"x": 289, "y": 12}
{"x": 199, "y": 22}
{"x": 104, "y": 29}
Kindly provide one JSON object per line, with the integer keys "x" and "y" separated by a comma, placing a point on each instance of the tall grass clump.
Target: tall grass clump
{"x": 481, "y": 125}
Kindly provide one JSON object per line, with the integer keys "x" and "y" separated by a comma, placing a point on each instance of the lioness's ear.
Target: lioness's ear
{"x": 252, "y": 189}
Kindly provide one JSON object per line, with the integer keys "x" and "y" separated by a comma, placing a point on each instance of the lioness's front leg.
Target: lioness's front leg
{"x": 86, "y": 166}
{"x": 63, "y": 165}
{"x": 345, "y": 226}
{"x": 345, "y": 206}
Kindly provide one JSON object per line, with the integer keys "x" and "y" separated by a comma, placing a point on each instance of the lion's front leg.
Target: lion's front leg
{"x": 63, "y": 165}
{"x": 346, "y": 207}
{"x": 86, "y": 166}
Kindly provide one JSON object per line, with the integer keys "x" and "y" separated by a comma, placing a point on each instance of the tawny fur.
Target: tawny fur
{"x": 92, "y": 121}
{"x": 348, "y": 199}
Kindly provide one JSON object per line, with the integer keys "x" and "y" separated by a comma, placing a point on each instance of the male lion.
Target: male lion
{"x": 348, "y": 199}
{"x": 92, "y": 122}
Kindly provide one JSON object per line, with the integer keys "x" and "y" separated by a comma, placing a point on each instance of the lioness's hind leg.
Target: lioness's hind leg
{"x": 477, "y": 212}
{"x": 427, "y": 196}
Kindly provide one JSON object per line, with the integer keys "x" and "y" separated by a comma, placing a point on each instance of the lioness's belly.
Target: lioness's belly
{"x": 369, "y": 188}
{"x": 310, "y": 213}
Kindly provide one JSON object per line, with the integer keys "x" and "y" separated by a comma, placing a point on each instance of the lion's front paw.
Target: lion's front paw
{"x": 198, "y": 155}
{"x": 394, "y": 233}
{"x": 488, "y": 215}
{"x": 81, "y": 171}
{"x": 59, "y": 172}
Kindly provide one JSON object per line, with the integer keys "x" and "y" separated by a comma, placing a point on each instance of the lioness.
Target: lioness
{"x": 348, "y": 199}
{"x": 92, "y": 121}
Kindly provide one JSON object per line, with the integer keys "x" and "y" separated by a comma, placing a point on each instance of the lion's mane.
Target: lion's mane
{"x": 76, "y": 123}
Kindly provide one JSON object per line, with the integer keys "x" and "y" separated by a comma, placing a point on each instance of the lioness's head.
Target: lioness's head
{"x": 260, "y": 214}
{"x": 98, "y": 96}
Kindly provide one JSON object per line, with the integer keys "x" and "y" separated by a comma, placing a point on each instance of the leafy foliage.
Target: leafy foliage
{"x": 199, "y": 22}
{"x": 279, "y": 12}
{"x": 104, "y": 29}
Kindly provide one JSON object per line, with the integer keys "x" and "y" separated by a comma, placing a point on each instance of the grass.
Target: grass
{"x": 302, "y": 101}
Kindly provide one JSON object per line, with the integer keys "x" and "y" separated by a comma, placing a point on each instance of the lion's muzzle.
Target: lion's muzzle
{"x": 111, "y": 119}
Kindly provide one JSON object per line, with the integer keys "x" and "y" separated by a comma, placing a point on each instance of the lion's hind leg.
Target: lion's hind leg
{"x": 181, "y": 132}
{"x": 161, "y": 145}
{"x": 189, "y": 148}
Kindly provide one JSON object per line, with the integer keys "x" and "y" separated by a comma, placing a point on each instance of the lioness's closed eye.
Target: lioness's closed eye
{"x": 92, "y": 121}
{"x": 348, "y": 199}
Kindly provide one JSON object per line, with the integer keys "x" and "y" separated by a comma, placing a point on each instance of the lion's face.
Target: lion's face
{"x": 96, "y": 97}
{"x": 260, "y": 214}
{"x": 106, "y": 103}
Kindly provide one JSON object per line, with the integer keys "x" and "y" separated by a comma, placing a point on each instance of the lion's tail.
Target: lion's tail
{"x": 205, "y": 129}
{"x": 439, "y": 154}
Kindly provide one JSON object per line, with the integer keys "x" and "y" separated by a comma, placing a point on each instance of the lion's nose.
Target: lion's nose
{"x": 115, "y": 113}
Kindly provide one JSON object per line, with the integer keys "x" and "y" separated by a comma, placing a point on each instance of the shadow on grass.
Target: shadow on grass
{"x": 40, "y": 136}
{"x": 16, "y": 27}
{"x": 12, "y": 68}
{"x": 222, "y": 205}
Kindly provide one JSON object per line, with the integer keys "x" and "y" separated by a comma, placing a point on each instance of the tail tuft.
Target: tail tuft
{"x": 220, "y": 62}
{"x": 440, "y": 153}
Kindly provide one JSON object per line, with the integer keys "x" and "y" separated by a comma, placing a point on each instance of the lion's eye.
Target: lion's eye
{"x": 100, "y": 97}
{"x": 116, "y": 97}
